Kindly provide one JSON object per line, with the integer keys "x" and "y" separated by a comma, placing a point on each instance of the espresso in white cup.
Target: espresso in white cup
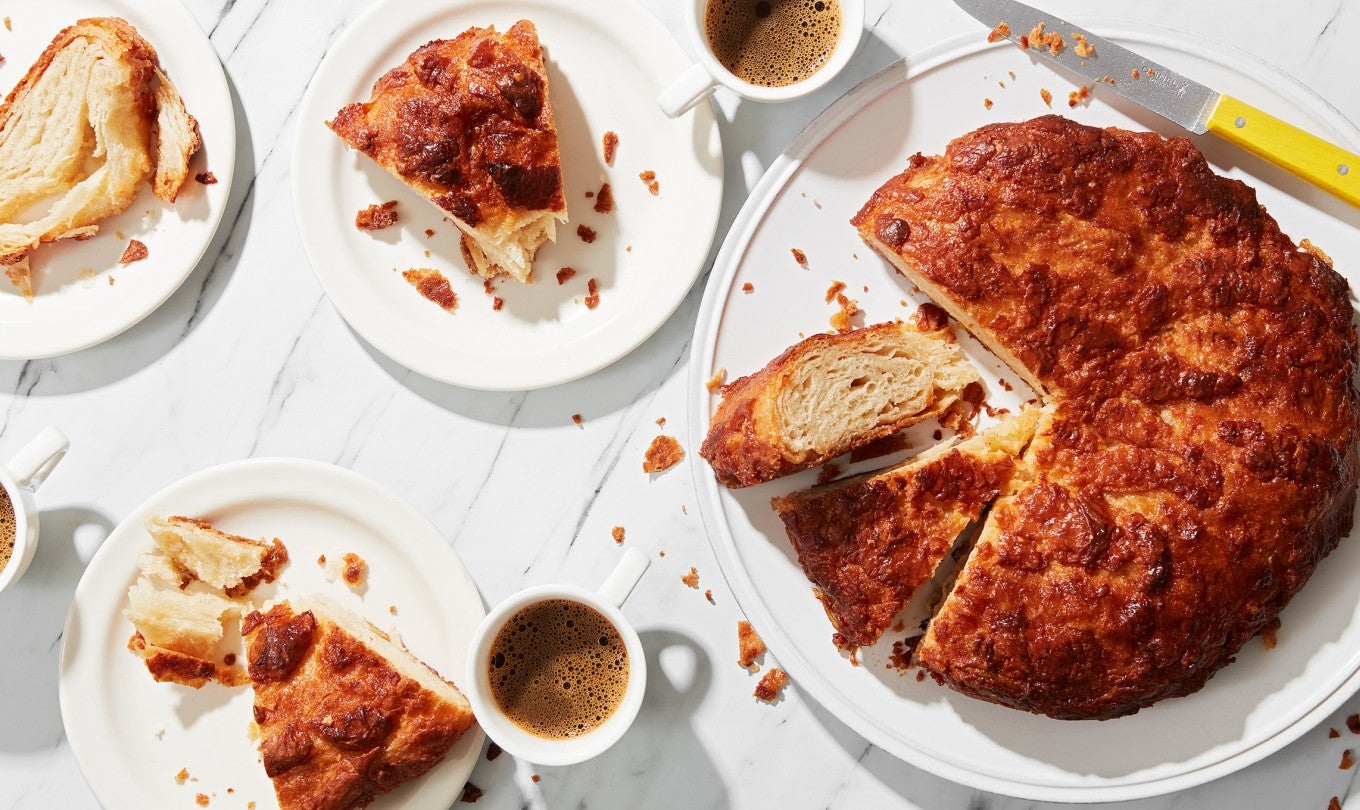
{"x": 557, "y": 674}
{"x": 19, "y": 478}
{"x": 764, "y": 50}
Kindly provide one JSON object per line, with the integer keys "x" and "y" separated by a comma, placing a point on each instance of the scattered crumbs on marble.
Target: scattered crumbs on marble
{"x": 576, "y": 417}
{"x": 1332, "y": 734}
{"x": 662, "y": 454}
{"x": 1002, "y": 85}
{"x": 1353, "y": 723}
{"x": 492, "y": 751}
{"x": 1347, "y": 760}
{"x": 1046, "y": 96}
{"x": 748, "y": 288}
{"x": 471, "y": 793}
{"x": 749, "y": 645}
{"x": 692, "y": 578}
{"x": 717, "y": 380}
{"x": 661, "y": 553}
{"x": 771, "y": 685}
{"x": 182, "y": 776}
{"x": 535, "y": 777}
{"x": 617, "y": 534}
{"x": 661, "y": 421}
{"x": 800, "y": 257}
{"x": 708, "y": 594}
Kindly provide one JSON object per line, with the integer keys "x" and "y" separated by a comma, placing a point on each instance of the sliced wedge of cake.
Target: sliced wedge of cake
{"x": 224, "y": 561}
{"x": 89, "y": 122}
{"x": 466, "y": 123}
{"x": 869, "y": 542}
{"x": 344, "y": 713}
{"x": 832, "y": 393}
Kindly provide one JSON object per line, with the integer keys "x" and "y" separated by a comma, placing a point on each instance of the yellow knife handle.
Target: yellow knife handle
{"x": 1323, "y": 164}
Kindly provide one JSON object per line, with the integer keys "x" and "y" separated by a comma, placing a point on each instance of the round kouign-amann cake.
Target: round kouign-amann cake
{"x": 1201, "y": 456}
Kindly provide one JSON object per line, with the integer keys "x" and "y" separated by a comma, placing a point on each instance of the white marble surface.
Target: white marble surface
{"x": 250, "y": 359}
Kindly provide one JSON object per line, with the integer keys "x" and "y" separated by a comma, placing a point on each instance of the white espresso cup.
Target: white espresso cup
{"x": 606, "y": 601}
{"x": 697, "y": 83}
{"x": 20, "y": 478}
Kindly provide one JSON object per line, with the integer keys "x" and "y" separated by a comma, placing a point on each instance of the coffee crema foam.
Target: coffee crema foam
{"x": 558, "y": 669}
{"x": 773, "y": 43}
{"x": 8, "y": 528}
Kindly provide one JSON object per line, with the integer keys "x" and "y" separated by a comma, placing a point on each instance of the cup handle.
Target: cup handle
{"x": 624, "y": 577}
{"x": 693, "y": 86}
{"x": 31, "y": 465}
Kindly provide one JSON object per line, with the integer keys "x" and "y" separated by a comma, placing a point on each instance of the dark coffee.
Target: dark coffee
{"x": 558, "y": 669}
{"x": 8, "y": 528}
{"x": 773, "y": 43}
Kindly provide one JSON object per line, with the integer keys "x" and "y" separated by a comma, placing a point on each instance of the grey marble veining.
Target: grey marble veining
{"x": 249, "y": 358}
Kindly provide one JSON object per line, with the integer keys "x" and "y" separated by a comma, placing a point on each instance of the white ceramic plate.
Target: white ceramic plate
{"x": 75, "y": 305}
{"x": 131, "y": 735}
{"x": 607, "y": 61}
{"x": 1249, "y": 709}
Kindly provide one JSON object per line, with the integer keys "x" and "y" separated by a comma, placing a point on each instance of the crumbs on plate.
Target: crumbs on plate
{"x": 565, "y": 275}
{"x": 617, "y": 534}
{"x": 135, "y": 252}
{"x": 604, "y": 200}
{"x": 611, "y": 146}
{"x": 717, "y": 380}
{"x": 692, "y": 578}
{"x": 662, "y": 454}
{"x": 769, "y": 687}
{"x": 648, "y": 179}
{"x": 592, "y": 294}
{"x": 376, "y": 216}
{"x": 433, "y": 286}
{"x": 749, "y": 645}
{"x": 586, "y": 233}
{"x": 206, "y": 178}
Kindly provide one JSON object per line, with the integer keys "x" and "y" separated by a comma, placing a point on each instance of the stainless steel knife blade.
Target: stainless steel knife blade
{"x": 1158, "y": 88}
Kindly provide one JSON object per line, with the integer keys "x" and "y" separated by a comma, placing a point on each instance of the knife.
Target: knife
{"x": 1182, "y": 101}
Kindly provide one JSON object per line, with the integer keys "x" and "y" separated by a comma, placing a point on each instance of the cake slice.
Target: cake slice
{"x": 832, "y": 393}
{"x": 869, "y": 542}
{"x": 89, "y": 122}
{"x": 467, "y": 124}
{"x": 344, "y": 714}
{"x": 224, "y": 561}
{"x": 178, "y": 632}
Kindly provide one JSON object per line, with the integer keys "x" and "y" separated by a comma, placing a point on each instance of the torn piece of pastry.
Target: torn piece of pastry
{"x": 226, "y": 561}
{"x": 869, "y": 542}
{"x": 343, "y": 713}
{"x": 467, "y": 124}
{"x": 92, "y": 119}
{"x": 830, "y": 394}
{"x": 177, "y": 632}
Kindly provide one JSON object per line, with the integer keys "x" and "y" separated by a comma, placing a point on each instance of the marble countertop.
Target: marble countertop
{"x": 250, "y": 359}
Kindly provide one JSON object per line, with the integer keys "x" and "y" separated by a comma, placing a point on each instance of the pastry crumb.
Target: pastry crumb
{"x": 535, "y": 777}
{"x": 182, "y": 776}
{"x": 1332, "y": 734}
{"x": 836, "y": 288}
{"x": 586, "y": 233}
{"x": 576, "y": 417}
{"x": 663, "y": 453}
{"x": 432, "y": 285}
{"x": 392, "y": 609}
{"x": 717, "y": 381}
{"x": 1078, "y": 96}
{"x": 610, "y": 143}
{"x": 592, "y": 294}
{"x": 377, "y": 216}
{"x": 355, "y": 569}
{"x": 135, "y": 252}
{"x": 749, "y": 645}
{"x": 748, "y": 288}
{"x": 1347, "y": 760}
{"x": 1135, "y": 74}
{"x": 497, "y": 303}
{"x": 1353, "y": 723}
{"x": 617, "y": 534}
{"x": 201, "y": 800}
{"x": 1046, "y": 96}
{"x": 800, "y": 257}
{"x": 492, "y": 751}
{"x": 564, "y": 275}
{"x": 206, "y": 178}
{"x": 828, "y": 472}
{"x": 1083, "y": 48}
{"x": 471, "y": 793}
{"x": 648, "y": 179}
{"x": 987, "y": 103}
{"x": 1268, "y": 633}
{"x": 661, "y": 421}
{"x": 429, "y": 232}
{"x": 604, "y": 200}
{"x": 692, "y": 578}
{"x": 1000, "y": 32}
{"x": 708, "y": 594}
{"x": 769, "y": 687}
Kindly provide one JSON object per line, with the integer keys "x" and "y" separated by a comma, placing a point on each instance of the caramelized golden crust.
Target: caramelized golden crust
{"x": 466, "y": 122}
{"x": 339, "y": 724}
{"x": 869, "y": 542}
{"x": 1203, "y": 456}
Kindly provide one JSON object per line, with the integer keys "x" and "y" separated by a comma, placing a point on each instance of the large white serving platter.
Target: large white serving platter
{"x": 1250, "y": 709}
{"x": 607, "y": 61}
{"x": 131, "y": 735}
{"x": 82, "y": 295}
